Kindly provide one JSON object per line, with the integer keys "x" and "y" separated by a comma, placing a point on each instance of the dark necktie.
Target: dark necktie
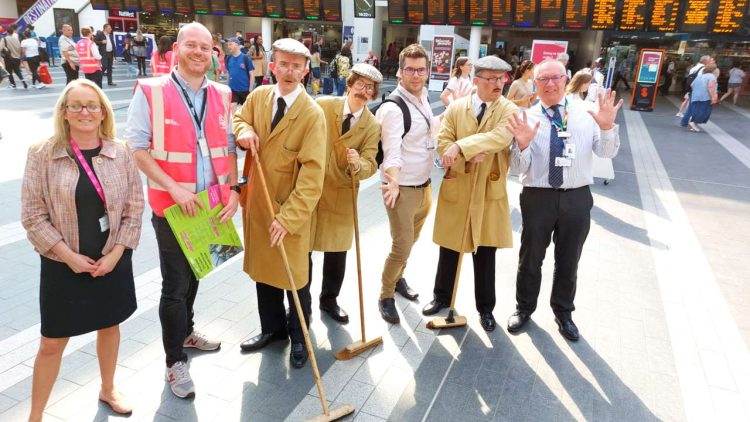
{"x": 347, "y": 123}
{"x": 281, "y": 105}
{"x": 482, "y": 108}
{"x": 556, "y": 147}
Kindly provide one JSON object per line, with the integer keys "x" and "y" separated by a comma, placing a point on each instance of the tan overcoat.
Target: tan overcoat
{"x": 490, "y": 212}
{"x": 333, "y": 221}
{"x": 293, "y": 161}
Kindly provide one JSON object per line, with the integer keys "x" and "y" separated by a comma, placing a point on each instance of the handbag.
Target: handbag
{"x": 44, "y": 76}
{"x": 5, "y": 52}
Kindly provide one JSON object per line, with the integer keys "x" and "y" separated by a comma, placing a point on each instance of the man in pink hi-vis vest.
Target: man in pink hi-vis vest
{"x": 179, "y": 129}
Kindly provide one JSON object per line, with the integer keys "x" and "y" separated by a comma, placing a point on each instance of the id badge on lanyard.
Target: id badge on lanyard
{"x": 103, "y": 220}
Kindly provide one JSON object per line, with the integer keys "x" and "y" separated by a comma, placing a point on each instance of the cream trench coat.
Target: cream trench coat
{"x": 490, "y": 212}
{"x": 293, "y": 161}
{"x": 333, "y": 221}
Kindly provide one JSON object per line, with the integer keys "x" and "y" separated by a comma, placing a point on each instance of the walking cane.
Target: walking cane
{"x": 328, "y": 415}
{"x": 358, "y": 347}
{"x": 452, "y": 321}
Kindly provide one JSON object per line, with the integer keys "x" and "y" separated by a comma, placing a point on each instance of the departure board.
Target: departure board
{"x": 274, "y": 9}
{"x": 397, "y": 11}
{"x": 131, "y": 5}
{"x": 603, "y": 14}
{"x": 550, "y": 13}
{"x": 201, "y": 6}
{"x": 218, "y": 7}
{"x": 664, "y": 15}
{"x": 331, "y": 10}
{"x": 254, "y": 7}
{"x": 99, "y": 4}
{"x": 502, "y": 12}
{"x": 183, "y": 6}
{"x": 633, "y": 15}
{"x": 577, "y": 14}
{"x": 236, "y": 7}
{"x": 695, "y": 17}
{"x": 166, "y": 6}
{"x": 729, "y": 16}
{"x": 415, "y": 12}
{"x": 293, "y": 9}
{"x": 479, "y": 12}
{"x": 525, "y": 13}
{"x": 312, "y": 10}
{"x": 148, "y": 5}
{"x": 436, "y": 12}
{"x": 456, "y": 12}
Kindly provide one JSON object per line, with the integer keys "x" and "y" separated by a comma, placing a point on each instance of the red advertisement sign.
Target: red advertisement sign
{"x": 544, "y": 49}
{"x": 442, "y": 53}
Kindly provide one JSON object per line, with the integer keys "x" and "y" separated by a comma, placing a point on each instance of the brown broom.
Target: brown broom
{"x": 358, "y": 347}
{"x": 328, "y": 414}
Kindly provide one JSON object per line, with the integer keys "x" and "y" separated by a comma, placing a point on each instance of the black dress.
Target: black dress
{"x": 72, "y": 304}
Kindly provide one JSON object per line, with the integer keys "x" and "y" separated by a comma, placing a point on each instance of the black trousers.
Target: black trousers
{"x": 667, "y": 84}
{"x": 141, "y": 65}
{"x": 484, "y": 277}
{"x": 95, "y": 77}
{"x": 34, "y": 63}
{"x": 272, "y": 311}
{"x": 334, "y": 268}
{"x": 258, "y": 81}
{"x": 620, "y": 77}
{"x": 70, "y": 74}
{"x": 178, "y": 290}
{"x": 108, "y": 59}
{"x": 13, "y": 65}
{"x": 565, "y": 218}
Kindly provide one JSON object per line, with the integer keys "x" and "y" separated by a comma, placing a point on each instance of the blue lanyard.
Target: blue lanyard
{"x": 559, "y": 125}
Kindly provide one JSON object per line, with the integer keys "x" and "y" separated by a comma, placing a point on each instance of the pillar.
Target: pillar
{"x": 474, "y": 40}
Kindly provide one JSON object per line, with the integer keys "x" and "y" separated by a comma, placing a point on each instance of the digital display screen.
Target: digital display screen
{"x": 415, "y": 12}
{"x": 603, "y": 16}
{"x": 525, "y": 13}
{"x": 182, "y": 6}
{"x": 312, "y": 10}
{"x": 201, "y": 6}
{"x": 254, "y": 7}
{"x": 456, "y": 12}
{"x": 396, "y": 11}
{"x": 502, "y": 12}
{"x": 331, "y": 10}
{"x": 148, "y": 5}
{"x": 729, "y": 16}
{"x": 436, "y": 12}
{"x": 218, "y": 7}
{"x": 131, "y": 5}
{"x": 664, "y": 15}
{"x": 577, "y": 14}
{"x": 274, "y": 9}
{"x": 236, "y": 7}
{"x": 695, "y": 17}
{"x": 633, "y": 15}
{"x": 99, "y": 4}
{"x": 293, "y": 9}
{"x": 364, "y": 8}
{"x": 479, "y": 12}
{"x": 165, "y": 6}
{"x": 550, "y": 13}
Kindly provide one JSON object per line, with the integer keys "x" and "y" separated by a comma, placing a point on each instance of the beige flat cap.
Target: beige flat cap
{"x": 368, "y": 71}
{"x": 290, "y": 46}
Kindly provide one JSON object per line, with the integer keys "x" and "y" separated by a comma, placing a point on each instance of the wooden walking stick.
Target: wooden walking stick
{"x": 452, "y": 321}
{"x": 358, "y": 347}
{"x": 328, "y": 415}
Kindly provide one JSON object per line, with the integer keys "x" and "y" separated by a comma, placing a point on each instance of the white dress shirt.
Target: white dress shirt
{"x": 413, "y": 153}
{"x": 532, "y": 164}
{"x": 289, "y": 99}
{"x": 108, "y": 48}
{"x": 476, "y": 104}
{"x": 355, "y": 116}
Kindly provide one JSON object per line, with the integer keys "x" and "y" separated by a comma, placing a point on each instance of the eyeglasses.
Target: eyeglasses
{"x": 77, "y": 108}
{"x": 361, "y": 85}
{"x": 410, "y": 71}
{"x": 545, "y": 79}
{"x": 493, "y": 81}
{"x": 293, "y": 67}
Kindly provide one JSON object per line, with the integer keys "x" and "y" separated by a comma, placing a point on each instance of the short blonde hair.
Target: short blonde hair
{"x": 61, "y": 137}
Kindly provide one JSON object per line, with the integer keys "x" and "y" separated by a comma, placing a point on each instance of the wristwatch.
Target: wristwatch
{"x": 235, "y": 188}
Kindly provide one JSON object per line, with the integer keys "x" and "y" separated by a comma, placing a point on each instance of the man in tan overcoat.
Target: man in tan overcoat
{"x": 473, "y": 138}
{"x": 286, "y": 128}
{"x": 353, "y": 136}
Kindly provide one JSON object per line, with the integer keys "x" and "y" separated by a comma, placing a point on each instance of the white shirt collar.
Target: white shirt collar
{"x": 477, "y": 102}
{"x": 289, "y": 99}
{"x": 347, "y": 110}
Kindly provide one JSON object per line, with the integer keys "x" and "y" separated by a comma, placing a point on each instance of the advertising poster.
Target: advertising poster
{"x": 649, "y": 69}
{"x": 647, "y": 79}
{"x": 442, "y": 53}
{"x": 546, "y": 49}
{"x": 347, "y": 35}
{"x": 120, "y": 43}
{"x": 205, "y": 242}
{"x": 482, "y": 50}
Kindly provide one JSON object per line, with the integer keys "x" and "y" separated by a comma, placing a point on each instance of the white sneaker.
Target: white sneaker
{"x": 679, "y": 115}
{"x": 694, "y": 127}
{"x": 179, "y": 380}
{"x": 40, "y": 86}
{"x": 201, "y": 341}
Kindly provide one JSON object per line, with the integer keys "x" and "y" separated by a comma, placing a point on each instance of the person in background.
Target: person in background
{"x": 163, "y": 59}
{"x": 579, "y": 85}
{"x": 218, "y": 51}
{"x": 667, "y": 74}
{"x": 460, "y": 84}
{"x": 140, "y": 50}
{"x": 239, "y": 70}
{"x": 623, "y": 71}
{"x": 258, "y": 54}
{"x": 597, "y": 80}
{"x": 308, "y": 44}
{"x": 372, "y": 59}
{"x": 343, "y": 67}
{"x": 514, "y": 59}
{"x": 693, "y": 74}
{"x": 564, "y": 58}
{"x": 30, "y": 50}
{"x": 214, "y": 70}
{"x": 106, "y": 42}
{"x": 89, "y": 57}
{"x": 315, "y": 61}
{"x": 734, "y": 86}
{"x": 702, "y": 97}
{"x": 12, "y": 58}
{"x": 521, "y": 91}
{"x": 68, "y": 53}
{"x": 246, "y": 44}
{"x": 81, "y": 206}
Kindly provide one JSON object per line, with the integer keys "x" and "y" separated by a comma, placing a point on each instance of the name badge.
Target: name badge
{"x": 204, "y": 146}
{"x": 430, "y": 144}
{"x": 563, "y": 134}
{"x": 563, "y": 162}
{"x": 570, "y": 151}
{"x": 104, "y": 223}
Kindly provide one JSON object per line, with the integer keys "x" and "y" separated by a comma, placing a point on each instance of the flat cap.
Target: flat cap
{"x": 291, "y": 46}
{"x": 492, "y": 63}
{"x": 368, "y": 71}
{"x": 234, "y": 40}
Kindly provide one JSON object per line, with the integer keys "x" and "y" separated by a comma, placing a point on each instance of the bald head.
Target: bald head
{"x": 194, "y": 50}
{"x": 549, "y": 65}
{"x": 193, "y": 29}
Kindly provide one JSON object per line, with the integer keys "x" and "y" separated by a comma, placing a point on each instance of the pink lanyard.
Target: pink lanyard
{"x": 89, "y": 172}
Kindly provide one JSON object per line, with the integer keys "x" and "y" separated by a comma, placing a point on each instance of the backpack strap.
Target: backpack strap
{"x": 396, "y": 99}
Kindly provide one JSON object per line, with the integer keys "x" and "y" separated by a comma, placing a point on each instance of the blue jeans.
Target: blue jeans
{"x": 340, "y": 86}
